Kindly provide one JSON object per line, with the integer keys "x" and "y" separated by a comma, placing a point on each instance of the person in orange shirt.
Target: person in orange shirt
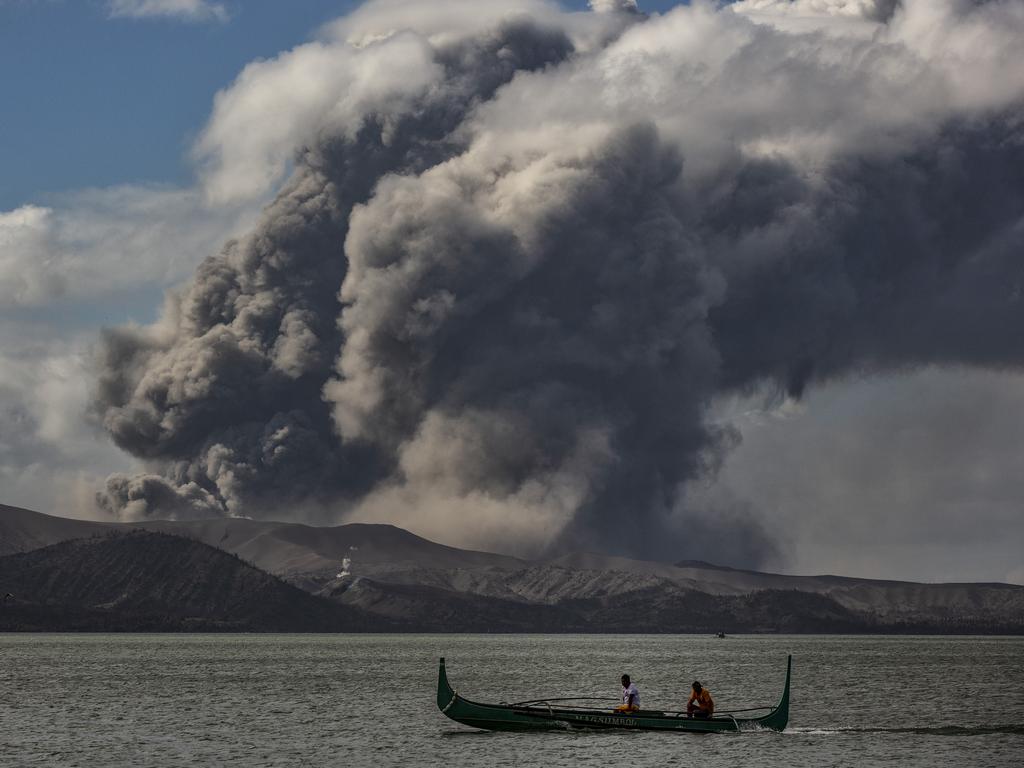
{"x": 700, "y": 705}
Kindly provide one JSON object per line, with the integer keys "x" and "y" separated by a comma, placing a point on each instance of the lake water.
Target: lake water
{"x": 291, "y": 700}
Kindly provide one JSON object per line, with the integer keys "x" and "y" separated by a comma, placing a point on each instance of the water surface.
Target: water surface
{"x": 368, "y": 700}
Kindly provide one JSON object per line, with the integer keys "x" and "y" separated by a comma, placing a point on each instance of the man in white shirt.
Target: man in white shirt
{"x": 630, "y": 696}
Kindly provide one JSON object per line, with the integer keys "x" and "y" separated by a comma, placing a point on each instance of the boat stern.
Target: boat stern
{"x": 779, "y": 717}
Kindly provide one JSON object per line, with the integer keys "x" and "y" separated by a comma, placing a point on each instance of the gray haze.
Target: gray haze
{"x": 910, "y": 475}
{"x": 521, "y": 252}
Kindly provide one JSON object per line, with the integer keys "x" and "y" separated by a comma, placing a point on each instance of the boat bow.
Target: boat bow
{"x": 445, "y": 694}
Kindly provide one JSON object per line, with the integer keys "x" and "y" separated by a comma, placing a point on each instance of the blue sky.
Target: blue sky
{"x": 94, "y": 101}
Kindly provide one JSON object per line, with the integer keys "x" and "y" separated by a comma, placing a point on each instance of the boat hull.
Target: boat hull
{"x": 537, "y": 717}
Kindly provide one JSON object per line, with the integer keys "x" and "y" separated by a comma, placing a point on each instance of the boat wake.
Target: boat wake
{"x": 942, "y": 730}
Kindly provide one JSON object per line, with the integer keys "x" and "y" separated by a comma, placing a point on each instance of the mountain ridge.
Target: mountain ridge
{"x": 403, "y": 579}
{"x": 130, "y": 580}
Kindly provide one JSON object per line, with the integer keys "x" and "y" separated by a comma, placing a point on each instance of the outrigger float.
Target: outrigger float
{"x": 541, "y": 714}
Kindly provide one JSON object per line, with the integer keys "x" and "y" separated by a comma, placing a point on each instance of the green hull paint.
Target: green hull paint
{"x": 507, "y": 717}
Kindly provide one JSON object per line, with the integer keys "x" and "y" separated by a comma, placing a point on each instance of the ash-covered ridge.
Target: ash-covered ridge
{"x": 218, "y": 573}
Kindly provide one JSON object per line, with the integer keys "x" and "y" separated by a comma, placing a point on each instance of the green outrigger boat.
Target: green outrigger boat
{"x": 542, "y": 714}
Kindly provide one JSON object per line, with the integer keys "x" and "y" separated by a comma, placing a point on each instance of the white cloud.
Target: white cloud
{"x": 862, "y": 9}
{"x": 276, "y": 106}
{"x": 610, "y": 6}
{"x": 974, "y": 46}
{"x": 714, "y": 81}
{"x": 97, "y": 242}
{"x": 438, "y": 22}
{"x": 186, "y": 10}
{"x": 969, "y": 47}
{"x": 52, "y": 457}
{"x": 377, "y": 60}
{"x": 62, "y": 269}
{"x": 27, "y": 273}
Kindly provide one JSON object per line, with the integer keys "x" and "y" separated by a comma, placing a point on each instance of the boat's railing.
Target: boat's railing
{"x": 564, "y": 698}
{"x": 546, "y": 704}
{"x": 728, "y": 713}
{"x": 543, "y": 704}
{"x": 748, "y": 709}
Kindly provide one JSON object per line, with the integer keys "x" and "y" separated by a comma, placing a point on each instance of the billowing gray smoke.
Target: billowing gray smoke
{"x": 498, "y": 294}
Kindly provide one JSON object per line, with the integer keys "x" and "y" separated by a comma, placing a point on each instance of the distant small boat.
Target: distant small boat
{"x": 720, "y": 635}
{"x": 542, "y": 714}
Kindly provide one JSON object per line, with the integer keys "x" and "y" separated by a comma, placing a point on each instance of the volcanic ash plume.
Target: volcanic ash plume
{"x": 522, "y": 250}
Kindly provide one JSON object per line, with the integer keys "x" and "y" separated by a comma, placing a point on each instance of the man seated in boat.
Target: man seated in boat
{"x": 630, "y": 696}
{"x": 700, "y": 705}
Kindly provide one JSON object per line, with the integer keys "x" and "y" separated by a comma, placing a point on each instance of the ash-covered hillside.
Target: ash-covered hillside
{"x": 380, "y": 577}
{"x": 141, "y": 581}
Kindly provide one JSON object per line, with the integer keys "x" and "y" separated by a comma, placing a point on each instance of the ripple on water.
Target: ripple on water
{"x": 269, "y": 700}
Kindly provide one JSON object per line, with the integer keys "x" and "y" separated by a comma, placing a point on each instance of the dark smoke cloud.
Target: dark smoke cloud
{"x": 498, "y": 312}
{"x": 592, "y": 327}
{"x": 224, "y": 395}
{"x": 888, "y": 262}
